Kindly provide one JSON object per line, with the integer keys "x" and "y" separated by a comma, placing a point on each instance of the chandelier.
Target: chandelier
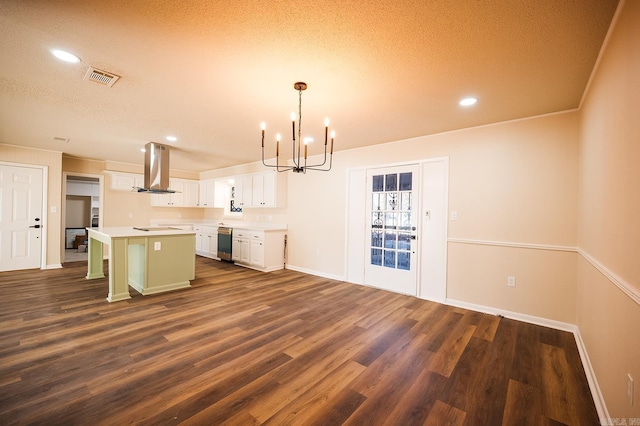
{"x": 300, "y": 162}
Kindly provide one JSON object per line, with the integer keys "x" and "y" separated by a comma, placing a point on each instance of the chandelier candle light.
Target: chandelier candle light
{"x": 298, "y": 166}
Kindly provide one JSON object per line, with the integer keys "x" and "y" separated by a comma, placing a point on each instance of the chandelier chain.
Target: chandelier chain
{"x": 299, "y": 114}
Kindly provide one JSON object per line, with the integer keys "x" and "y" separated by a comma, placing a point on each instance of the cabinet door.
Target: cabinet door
{"x": 190, "y": 194}
{"x": 245, "y": 251}
{"x": 138, "y": 181}
{"x": 236, "y": 249}
{"x": 161, "y": 200}
{"x": 213, "y": 245}
{"x": 269, "y": 190}
{"x": 177, "y": 198}
{"x": 199, "y": 241}
{"x": 123, "y": 181}
{"x": 244, "y": 191}
{"x": 257, "y": 253}
{"x": 257, "y": 183}
{"x": 220, "y": 193}
{"x": 206, "y": 193}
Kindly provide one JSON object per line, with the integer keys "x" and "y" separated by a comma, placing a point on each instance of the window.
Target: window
{"x": 230, "y": 209}
{"x": 391, "y": 220}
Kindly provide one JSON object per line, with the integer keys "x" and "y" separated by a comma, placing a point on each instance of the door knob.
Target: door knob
{"x": 35, "y": 226}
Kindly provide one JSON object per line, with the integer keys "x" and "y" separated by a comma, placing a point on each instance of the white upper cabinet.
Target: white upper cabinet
{"x": 191, "y": 192}
{"x": 126, "y": 181}
{"x": 265, "y": 190}
{"x": 186, "y": 194}
{"x": 255, "y": 190}
{"x": 243, "y": 191}
{"x": 207, "y": 193}
{"x": 220, "y": 193}
{"x": 259, "y": 190}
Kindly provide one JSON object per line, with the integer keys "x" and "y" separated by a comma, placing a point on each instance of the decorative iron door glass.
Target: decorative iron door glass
{"x": 391, "y": 220}
{"x": 391, "y": 223}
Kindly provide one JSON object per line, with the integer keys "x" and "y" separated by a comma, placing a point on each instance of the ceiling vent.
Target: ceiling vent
{"x": 102, "y": 77}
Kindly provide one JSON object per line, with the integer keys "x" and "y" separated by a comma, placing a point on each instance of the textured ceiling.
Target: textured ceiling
{"x": 210, "y": 71}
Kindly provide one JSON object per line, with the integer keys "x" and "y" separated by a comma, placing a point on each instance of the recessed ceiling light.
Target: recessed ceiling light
{"x": 65, "y": 56}
{"x": 143, "y": 150}
{"x": 171, "y": 138}
{"x": 468, "y": 101}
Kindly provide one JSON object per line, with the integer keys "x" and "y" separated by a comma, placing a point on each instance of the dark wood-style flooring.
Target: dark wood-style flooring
{"x": 246, "y": 348}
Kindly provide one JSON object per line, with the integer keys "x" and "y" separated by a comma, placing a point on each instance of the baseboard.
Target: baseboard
{"x": 598, "y": 399}
{"x": 558, "y": 325}
{"x": 596, "y": 394}
{"x": 54, "y": 266}
{"x": 316, "y": 273}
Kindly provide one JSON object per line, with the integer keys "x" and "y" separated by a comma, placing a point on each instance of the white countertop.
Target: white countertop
{"x": 251, "y": 226}
{"x": 128, "y": 231}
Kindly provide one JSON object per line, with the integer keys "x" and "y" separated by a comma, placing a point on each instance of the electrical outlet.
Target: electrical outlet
{"x": 630, "y": 389}
{"x": 511, "y": 281}
{"x": 454, "y": 215}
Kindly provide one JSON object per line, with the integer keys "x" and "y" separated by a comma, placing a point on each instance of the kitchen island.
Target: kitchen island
{"x": 151, "y": 260}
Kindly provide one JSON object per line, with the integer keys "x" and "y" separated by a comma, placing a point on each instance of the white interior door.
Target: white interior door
{"x": 20, "y": 217}
{"x": 391, "y": 224}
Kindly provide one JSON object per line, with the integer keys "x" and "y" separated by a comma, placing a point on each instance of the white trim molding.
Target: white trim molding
{"x": 316, "y": 273}
{"x": 619, "y": 282}
{"x": 558, "y": 325}
{"x": 598, "y": 399}
{"x": 622, "y": 284}
{"x": 512, "y": 244}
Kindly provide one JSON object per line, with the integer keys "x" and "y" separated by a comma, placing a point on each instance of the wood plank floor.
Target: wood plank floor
{"x": 246, "y": 348}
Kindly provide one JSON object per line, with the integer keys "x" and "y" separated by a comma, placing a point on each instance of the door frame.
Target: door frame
{"x": 355, "y": 232}
{"x": 63, "y": 206}
{"x": 45, "y": 209}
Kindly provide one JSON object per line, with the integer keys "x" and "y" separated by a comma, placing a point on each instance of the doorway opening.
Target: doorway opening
{"x": 82, "y": 210}
{"x": 396, "y": 236}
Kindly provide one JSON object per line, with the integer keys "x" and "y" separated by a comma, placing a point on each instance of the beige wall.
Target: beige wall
{"x": 124, "y": 208}
{"x": 53, "y": 161}
{"x": 609, "y": 220}
{"x": 77, "y": 211}
{"x": 558, "y": 182}
{"x": 512, "y": 182}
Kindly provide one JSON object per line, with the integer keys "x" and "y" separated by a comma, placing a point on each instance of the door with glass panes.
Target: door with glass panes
{"x": 391, "y": 222}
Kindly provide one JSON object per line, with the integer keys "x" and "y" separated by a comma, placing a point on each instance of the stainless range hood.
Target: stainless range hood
{"x": 156, "y": 169}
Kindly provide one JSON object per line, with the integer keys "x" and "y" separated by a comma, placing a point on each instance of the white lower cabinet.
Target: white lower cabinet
{"x": 261, "y": 250}
{"x": 240, "y": 247}
{"x": 207, "y": 241}
{"x": 257, "y": 249}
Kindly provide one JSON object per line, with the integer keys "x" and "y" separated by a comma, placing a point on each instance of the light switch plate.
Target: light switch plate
{"x": 157, "y": 245}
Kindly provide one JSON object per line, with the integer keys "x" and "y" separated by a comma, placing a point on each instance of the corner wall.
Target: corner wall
{"x": 608, "y": 281}
{"x": 513, "y": 182}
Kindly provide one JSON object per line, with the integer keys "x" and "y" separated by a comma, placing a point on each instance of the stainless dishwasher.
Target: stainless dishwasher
{"x": 225, "y": 235}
